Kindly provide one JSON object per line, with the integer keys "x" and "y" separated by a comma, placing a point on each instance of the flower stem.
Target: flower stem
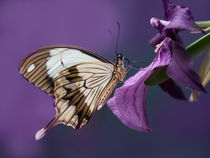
{"x": 204, "y": 73}
{"x": 203, "y": 24}
{"x": 199, "y": 46}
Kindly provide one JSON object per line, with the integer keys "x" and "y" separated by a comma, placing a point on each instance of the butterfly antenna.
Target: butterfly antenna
{"x": 118, "y": 36}
{"x": 111, "y": 34}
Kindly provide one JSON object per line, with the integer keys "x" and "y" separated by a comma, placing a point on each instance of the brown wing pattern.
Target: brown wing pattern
{"x": 79, "y": 90}
{"x": 33, "y": 69}
{"x": 34, "y": 66}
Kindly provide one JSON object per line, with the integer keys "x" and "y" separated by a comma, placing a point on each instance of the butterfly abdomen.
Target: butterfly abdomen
{"x": 107, "y": 92}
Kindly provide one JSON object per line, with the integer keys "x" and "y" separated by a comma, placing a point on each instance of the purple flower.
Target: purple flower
{"x": 128, "y": 103}
{"x": 180, "y": 68}
{"x": 177, "y": 18}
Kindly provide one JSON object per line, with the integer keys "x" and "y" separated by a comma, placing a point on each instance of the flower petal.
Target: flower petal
{"x": 181, "y": 19}
{"x": 177, "y": 18}
{"x": 128, "y": 103}
{"x": 157, "y": 39}
{"x": 158, "y": 23}
{"x": 172, "y": 89}
{"x": 181, "y": 70}
{"x": 166, "y": 5}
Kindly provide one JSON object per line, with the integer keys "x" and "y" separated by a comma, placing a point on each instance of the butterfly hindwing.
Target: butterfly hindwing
{"x": 82, "y": 85}
{"x": 79, "y": 91}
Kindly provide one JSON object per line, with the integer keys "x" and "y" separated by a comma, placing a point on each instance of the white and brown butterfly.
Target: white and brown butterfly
{"x": 80, "y": 80}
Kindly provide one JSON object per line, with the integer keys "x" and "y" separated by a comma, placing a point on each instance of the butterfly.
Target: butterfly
{"x": 79, "y": 80}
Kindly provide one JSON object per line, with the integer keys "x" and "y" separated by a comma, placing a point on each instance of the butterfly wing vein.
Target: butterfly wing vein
{"x": 78, "y": 94}
{"x": 79, "y": 80}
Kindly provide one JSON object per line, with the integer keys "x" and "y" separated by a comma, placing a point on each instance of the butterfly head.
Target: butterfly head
{"x": 120, "y": 68}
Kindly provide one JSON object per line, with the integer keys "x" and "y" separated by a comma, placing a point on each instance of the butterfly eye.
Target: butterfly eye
{"x": 119, "y": 56}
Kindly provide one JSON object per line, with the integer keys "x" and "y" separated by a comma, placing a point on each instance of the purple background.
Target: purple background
{"x": 180, "y": 129}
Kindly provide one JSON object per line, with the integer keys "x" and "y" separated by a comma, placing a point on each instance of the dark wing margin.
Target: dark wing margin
{"x": 79, "y": 90}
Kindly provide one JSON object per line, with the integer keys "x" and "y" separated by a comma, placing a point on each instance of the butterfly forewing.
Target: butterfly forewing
{"x": 43, "y": 65}
{"x": 79, "y": 80}
{"x": 34, "y": 69}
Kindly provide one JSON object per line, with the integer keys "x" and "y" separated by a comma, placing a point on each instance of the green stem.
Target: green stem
{"x": 203, "y": 24}
{"x": 194, "y": 49}
{"x": 199, "y": 46}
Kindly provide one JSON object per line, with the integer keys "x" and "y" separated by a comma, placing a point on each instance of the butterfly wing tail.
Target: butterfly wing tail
{"x": 41, "y": 133}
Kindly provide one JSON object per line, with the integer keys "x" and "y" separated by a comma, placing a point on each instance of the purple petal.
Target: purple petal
{"x": 157, "y": 39}
{"x": 172, "y": 89}
{"x": 181, "y": 19}
{"x": 181, "y": 70}
{"x": 158, "y": 23}
{"x": 128, "y": 103}
{"x": 166, "y": 5}
{"x": 177, "y": 18}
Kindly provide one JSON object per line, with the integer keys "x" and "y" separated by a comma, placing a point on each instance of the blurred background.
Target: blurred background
{"x": 180, "y": 129}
